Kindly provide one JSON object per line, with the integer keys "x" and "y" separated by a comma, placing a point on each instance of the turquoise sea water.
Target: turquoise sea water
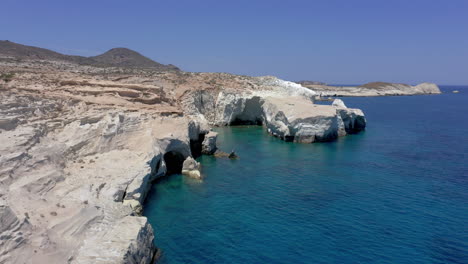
{"x": 397, "y": 193}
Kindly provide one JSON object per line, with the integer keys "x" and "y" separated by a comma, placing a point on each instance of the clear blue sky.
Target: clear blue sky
{"x": 336, "y": 41}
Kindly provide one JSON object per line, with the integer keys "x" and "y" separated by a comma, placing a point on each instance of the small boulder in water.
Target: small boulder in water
{"x": 191, "y": 168}
{"x": 209, "y": 143}
{"x": 222, "y": 154}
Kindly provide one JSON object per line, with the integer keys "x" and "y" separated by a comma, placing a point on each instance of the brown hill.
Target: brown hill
{"x": 126, "y": 58}
{"x": 19, "y": 51}
{"x": 118, "y": 57}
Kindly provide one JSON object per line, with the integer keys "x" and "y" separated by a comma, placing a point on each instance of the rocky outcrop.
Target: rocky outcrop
{"x": 375, "y": 89}
{"x": 350, "y": 121}
{"x": 338, "y": 103}
{"x": 295, "y": 119}
{"x": 14, "y": 232}
{"x": 209, "y": 143}
{"x": 130, "y": 240}
{"x": 74, "y": 175}
{"x": 291, "y": 118}
{"x": 191, "y": 168}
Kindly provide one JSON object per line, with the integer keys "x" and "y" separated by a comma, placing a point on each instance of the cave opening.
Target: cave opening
{"x": 252, "y": 113}
{"x": 242, "y": 122}
{"x": 174, "y": 161}
{"x": 196, "y": 146}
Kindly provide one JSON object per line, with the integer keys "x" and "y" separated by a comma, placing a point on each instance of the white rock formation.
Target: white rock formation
{"x": 427, "y": 88}
{"x": 191, "y": 168}
{"x": 295, "y": 119}
{"x": 72, "y": 175}
{"x": 338, "y": 103}
{"x": 375, "y": 89}
{"x": 350, "y": 121}
{"x": 292, "y": 118}
{"x": 209, "y": 143}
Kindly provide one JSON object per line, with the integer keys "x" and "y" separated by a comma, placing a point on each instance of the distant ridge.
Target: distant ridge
{"x": 117, "y": 57}
{"x": 303, "y": 83}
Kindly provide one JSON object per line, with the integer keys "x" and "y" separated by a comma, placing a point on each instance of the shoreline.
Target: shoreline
{"x": 84, "y": 145}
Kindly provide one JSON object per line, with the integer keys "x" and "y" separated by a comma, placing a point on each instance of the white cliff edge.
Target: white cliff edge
{"x": 375, "y": 89}
{"x": 78, "y": 161}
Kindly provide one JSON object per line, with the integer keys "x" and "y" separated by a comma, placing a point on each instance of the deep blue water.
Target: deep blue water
{"x": 397, "y": 193}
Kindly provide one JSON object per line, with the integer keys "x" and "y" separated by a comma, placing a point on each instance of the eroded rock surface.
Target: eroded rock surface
{"x": 291, "y": 118}
{"x": 350, "y": 121}
{"x": 209, "y": 143}
{"x": 73, "y": 174}
{"x": 81, "y": 146}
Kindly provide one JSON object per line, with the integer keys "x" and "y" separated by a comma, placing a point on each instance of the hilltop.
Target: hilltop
{"x": 127, "y": 58}
{"x": 116, "y": 57}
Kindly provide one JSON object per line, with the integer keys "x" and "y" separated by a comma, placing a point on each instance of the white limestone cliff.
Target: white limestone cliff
{"x": 291, "y": 118}
{"x": 375, "y": 89}
{"x": 73, "y": 176}
{"x": 81, "y": 148}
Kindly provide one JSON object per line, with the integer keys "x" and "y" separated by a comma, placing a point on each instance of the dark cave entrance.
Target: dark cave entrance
{"x": 241, "y": 122}
{"x": 196, "y": 146}
{"x": 174, "y": 161}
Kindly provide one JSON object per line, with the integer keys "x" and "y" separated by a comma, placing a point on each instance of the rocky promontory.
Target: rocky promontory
{"x": 373, "y": 89}
{"x": 83, "y": 143}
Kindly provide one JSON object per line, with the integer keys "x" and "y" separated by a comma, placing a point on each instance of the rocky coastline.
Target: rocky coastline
{"x": 82, "y": 145}
{"x": 373, "y": 89}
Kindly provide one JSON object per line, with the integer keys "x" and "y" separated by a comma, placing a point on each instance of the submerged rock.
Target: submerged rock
{"x": 233, "y": 155}
{"x": 222, "y": 154}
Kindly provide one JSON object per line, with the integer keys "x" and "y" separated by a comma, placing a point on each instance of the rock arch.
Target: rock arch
{"x": 174, "y": 161}
{"x": 251, "y": 114}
